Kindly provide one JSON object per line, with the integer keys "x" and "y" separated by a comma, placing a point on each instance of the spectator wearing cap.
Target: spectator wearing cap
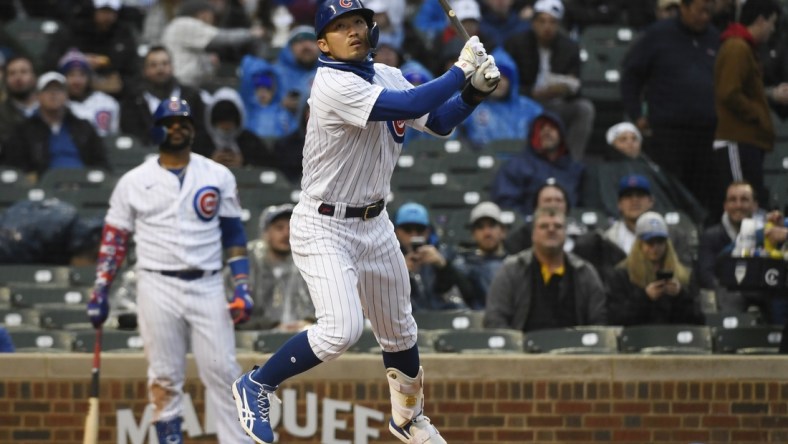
{"x": 158, "y": 83}
{"x": 262, "y": 97}
{"x": 544, "y": 286}
{"x": 98, "y": 108}
{"x": 21, "y": 101}
{"x": 634, "y": 199}
{"x": 280, "y": 294}
{"x": 671, "y": 105}
{"x": 624, "y": 156}
{"x": 544, "y": 156}
{"x": 651, "y": 286}
{"x": 500, "y": 21}
{"x": 193, "y": 39}
{"x": 549, "y": 65}
{"x": 480, "y": 264}
{"x": 233, "y": 145}
{"x": 53, "y": 137}
{"x": 296, "y": 66}
{"x": 435, "y": 283}
{"x": 505, "y": 115}
{"x": 109, "y": 45}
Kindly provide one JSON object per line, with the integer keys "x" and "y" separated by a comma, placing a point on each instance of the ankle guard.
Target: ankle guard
{"x": 407, "y": 395}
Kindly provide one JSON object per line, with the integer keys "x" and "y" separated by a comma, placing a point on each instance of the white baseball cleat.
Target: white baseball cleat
{"x": 418, "y": 431}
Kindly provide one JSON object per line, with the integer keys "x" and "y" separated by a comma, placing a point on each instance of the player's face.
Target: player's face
{"x": 549, "y": 233}
{"x": 180, "y": 133}
{"x": 346, "y": 38}
{"x": 158, "y": 68}
{"x": 277, "y": 236}
{"x": 488, "y": 235}
{"x": 739, "y": 203}
{"x": 76, "y": 82}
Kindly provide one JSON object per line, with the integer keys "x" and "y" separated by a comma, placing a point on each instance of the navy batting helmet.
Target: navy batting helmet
{"x": 332, "y": 9}
{"x": 172, "y": 107}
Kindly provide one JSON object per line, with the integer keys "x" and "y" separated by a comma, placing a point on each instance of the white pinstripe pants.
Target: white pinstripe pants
{"x": 353, "y": 268}
{"x": 173, "y": 313}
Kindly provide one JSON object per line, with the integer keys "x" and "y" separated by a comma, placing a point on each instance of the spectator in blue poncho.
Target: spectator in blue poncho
{"x": 506, "y": 114}
{"x": 262, "y": 94}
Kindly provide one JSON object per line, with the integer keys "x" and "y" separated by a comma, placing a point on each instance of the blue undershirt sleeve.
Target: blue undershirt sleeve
{"x": 415, "y": 102}
{"x": 233, "y": 234}
{"x": 443, "y": 120}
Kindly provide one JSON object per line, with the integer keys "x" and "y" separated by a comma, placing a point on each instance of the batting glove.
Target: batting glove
{"x": 98, "y": 307}
{"x": 487, "y": 76}
{"x": 471, "y": 56}
{"x": 241, "y": 305}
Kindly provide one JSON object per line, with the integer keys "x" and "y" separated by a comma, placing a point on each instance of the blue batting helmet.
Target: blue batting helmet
{"x": 172, "y": 107}
{"x": 332, "y": 9}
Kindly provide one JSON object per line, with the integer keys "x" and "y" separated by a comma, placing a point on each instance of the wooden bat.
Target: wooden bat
{"x": 92, "y": 420}
{"x": 454, "y": 20}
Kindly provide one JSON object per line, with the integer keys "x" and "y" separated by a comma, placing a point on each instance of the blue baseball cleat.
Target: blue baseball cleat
{"x": 253, "y": 401}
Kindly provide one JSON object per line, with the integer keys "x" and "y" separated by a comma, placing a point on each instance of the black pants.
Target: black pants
{"x": 686, "y": 153}
{"x": 736, "y": 162}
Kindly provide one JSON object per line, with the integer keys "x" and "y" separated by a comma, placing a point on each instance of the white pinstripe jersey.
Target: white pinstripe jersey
{"x": 347, "y": 158}
{"x": 175, "y": 227}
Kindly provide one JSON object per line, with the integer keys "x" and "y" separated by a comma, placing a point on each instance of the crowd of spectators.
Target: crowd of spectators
{"x": 685, "y": 133}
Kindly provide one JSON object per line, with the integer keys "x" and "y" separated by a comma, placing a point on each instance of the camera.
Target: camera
{"x": 664, "y": 275}
{"x": 417, "y": 242}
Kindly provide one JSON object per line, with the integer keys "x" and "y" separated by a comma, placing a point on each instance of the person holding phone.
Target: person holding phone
{"x": 651, "y": 286}
{"x": 435, "y": 282}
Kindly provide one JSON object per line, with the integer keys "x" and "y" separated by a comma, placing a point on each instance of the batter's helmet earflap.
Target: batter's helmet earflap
{"x": 332, "y": 9}
{"x": 172, "y": 107}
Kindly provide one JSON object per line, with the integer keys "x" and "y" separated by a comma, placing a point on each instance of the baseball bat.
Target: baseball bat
{"x": 92, "y": 420}
{"x": 454, "y": 20}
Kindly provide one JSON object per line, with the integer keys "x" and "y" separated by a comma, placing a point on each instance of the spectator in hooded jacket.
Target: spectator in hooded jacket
{"x": 262, "y": 95}
{"x": 233, "y": 145}
{"x": 505, "y": 114}
{"x": 98, "y": 108}
{"x": 545, "y": 156}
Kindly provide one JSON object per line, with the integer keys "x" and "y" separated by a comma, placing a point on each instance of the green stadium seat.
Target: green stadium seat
{"x": 366, "y": 344}
{"x": 727, "y": 320}
{"x": 750, "y": 340}
{"x": 76, "y": 179}
{"x": 41, "y": 341}
{"x": 19, "y": 317}
{"x": 478, "y": 341}
{"x": 10, "y": 195}
{"x": 111, "y": 341}
{"x": 33, "y": 35}
{"x": 267, "y": 341}
{"x": 666, "y": 339}
{"x": 39, "y": 274}
{"x": 28, "y": 296}
{"x": 433, "y": 147}
{"x": 448, "y": 319}
{"x": 573, "y": 341}
{"x": 260, "y": 177}
{"x": 63, "y": 317}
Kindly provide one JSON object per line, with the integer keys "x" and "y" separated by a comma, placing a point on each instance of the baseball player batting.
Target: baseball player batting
{"x": 342, "y": 240}
{"x": 183, "y": 209}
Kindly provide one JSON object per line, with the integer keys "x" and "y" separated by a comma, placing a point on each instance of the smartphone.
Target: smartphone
{"x": 664, "y": 275}
{"x": 417, "y": 242}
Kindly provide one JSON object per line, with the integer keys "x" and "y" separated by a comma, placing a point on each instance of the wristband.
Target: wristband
{"x": 239, "y": 268}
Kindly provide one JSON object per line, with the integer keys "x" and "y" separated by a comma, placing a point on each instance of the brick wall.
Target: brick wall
{"x": 471, "y": 399}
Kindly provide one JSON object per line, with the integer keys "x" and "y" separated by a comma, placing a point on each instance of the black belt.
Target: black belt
{"x": 368, "y": 212}
{"x": 187, "y": 275}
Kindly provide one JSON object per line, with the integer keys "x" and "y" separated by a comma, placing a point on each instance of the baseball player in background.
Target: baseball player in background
{"x": 341, "y": 237}
{"x": 182, "y": 208}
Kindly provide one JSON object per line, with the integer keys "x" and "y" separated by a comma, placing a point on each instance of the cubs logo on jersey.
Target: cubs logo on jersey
{"x": 397, "y": 130}
{"x": 206, "y": 203}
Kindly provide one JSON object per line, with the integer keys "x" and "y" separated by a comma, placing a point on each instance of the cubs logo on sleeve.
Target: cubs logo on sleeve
{"x": 206, "y": 203}
{"x": 397, "y": 130}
